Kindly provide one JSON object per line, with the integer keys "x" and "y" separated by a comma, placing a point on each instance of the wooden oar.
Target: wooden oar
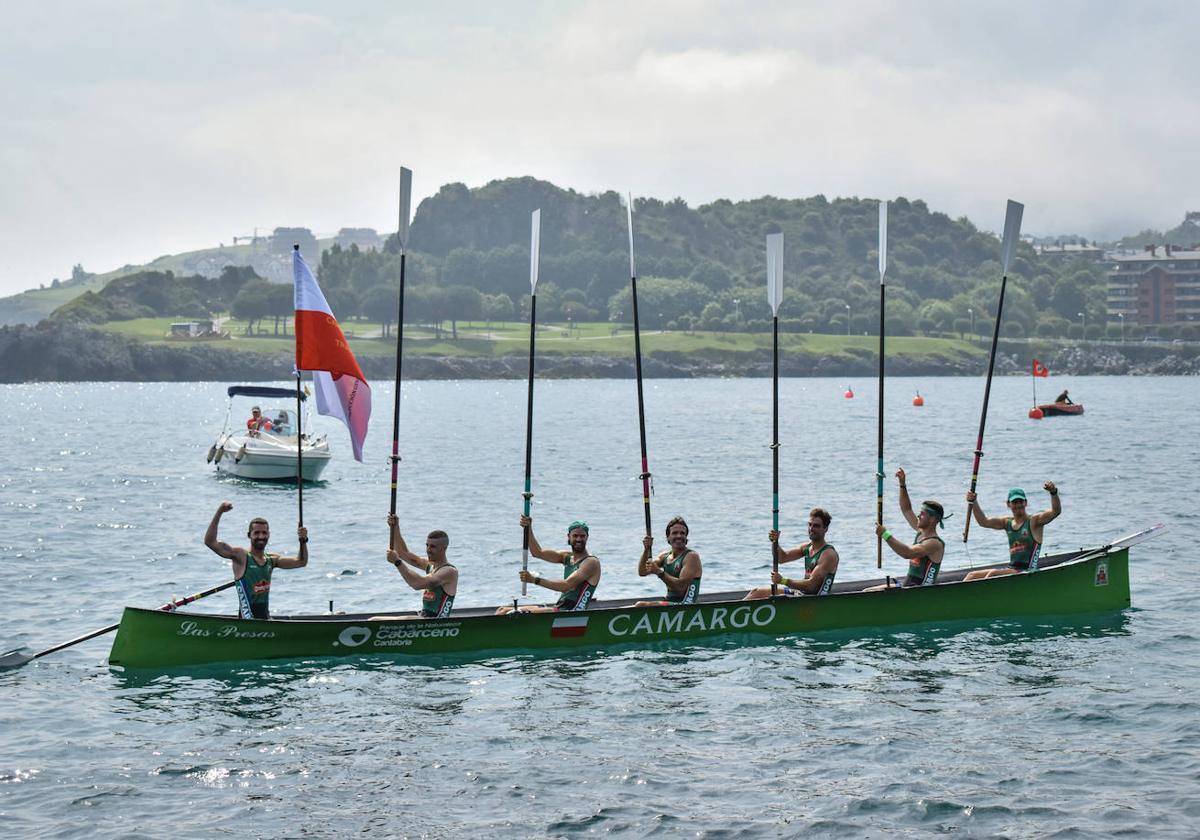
{"x": 879, "y": 464}
{"x": 15, "y": 659}
{"x": 774, "y": 297}
{"x": 534, "y": 249}
{"x": 402, "y": 238}
{"x": 637, "y": 360}
{"x": 1012, "y": 235}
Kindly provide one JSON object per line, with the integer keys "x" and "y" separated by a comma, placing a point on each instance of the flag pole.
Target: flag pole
{"x": 637, "y": 357}
{"x": 774, "y": 298}
{"x": 1012, "y": 235}
{"x": 883, "y": 205}
{"x": 534, "y": 250}
{"x": 402, "y": 238}
{"x": 1033, "y": 378}
{"x": 299, "y": 432}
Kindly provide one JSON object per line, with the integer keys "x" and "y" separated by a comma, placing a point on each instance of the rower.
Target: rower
{"x": 1064, "y": 398}
{"x": 252, "y": 567}
{"x": 440, "y": 580}
{"x": 924, "y": 556}
{"x": 1024, "y": 532}
{"x": 581, "y": 571}
{"x": 820, "y": 563}
{"x": 678, "y": 567}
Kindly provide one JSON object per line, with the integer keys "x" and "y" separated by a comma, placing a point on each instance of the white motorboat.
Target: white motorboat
{"x": 265, "y": 447}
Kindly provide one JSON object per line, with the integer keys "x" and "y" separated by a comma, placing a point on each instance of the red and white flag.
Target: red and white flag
{"x": 342, "y": 390}
{"x": 1040, "y": 369}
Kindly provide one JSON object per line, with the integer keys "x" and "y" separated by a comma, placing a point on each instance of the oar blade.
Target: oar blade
{"x": 883, "y": 213}
{"x": 775, "y": 271}
{"x": 629, "y": 216}
{"x": 1012, "y": 232}
{"x": 14, "y": 659}
{"x": 405, "y": 206}
{"x": 535, "y": 239}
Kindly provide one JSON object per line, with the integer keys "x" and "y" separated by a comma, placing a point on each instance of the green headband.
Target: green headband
{"x": 939, "y": 515}
{"x": 578, "y": 524}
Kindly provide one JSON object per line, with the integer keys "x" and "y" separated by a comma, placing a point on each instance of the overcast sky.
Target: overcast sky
{"x": 134, "y": 129}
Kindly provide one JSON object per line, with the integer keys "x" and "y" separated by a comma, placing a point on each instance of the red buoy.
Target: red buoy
{"x": 1036, "y": 413}
{"x": 849, "y": 394}
{"x": 918, "y": 399}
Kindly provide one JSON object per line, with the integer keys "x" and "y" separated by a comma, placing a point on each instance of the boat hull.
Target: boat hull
{"x": 1081, "y": 582}
{"x": 271, "y": 460}
{"x": 1060, "y": 409}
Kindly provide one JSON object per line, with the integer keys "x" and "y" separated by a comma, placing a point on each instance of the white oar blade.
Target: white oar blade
{"x": 405, "y": 206}
{"x": 775, "y": 271}
{"x": 535, "y": 238}
{"x": 1012, "y": 232}
{"x": 882, "y": 240}
{"x": 629, "y": 215}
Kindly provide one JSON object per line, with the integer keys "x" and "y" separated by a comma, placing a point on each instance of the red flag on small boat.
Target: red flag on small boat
{"x": 1040, "y": 369}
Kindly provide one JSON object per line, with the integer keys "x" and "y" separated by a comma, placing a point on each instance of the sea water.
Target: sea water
{"x": 1084, "y": 727}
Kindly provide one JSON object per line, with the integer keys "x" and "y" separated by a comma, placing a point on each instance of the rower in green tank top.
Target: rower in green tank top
{"x": 440, "y": 581}
{"x": 679, "y": 567}
{"x": 925, "y": 554}
{"x": 820, "y": 563}
{"x": 253, "y": 567}
{"x": 1024, "y": 530}
{"x": 581, "y": 571}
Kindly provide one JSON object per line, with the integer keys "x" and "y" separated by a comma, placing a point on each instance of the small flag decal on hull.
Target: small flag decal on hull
{"x": 569, "y": 626}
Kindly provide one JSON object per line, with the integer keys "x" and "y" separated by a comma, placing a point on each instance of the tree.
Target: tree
{"x": 280, "y": 304}
{"x": 463, "y": 303}
{"x": 252, "y": 304}
{"x": 381, "y": 303}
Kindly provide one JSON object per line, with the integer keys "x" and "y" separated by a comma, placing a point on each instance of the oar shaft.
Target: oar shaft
{"x": 774, "y": 445}
{"x": 165, "y": 608}
{"x": 637, "y": 358}
{"x": 528, "y": 494}
{"x": 396, "y": 397}
{"x": 879, "y": 460}
{"x": 987, "y": 391}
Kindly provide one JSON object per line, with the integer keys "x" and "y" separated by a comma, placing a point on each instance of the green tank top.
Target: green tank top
{"x": 673, "y": 567}
{"x": 579, "y": 597}
{"x": 810, "y": 563}
{"x": 922, "y": 571}
{"x": 1023, "y": 549}
{"x": 254, "y": 587}
{"x": 435, "y": 603}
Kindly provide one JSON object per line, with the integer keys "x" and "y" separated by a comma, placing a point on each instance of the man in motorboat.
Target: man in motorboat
{"x": 252, "y": 567}
{"x": 581, "y": 571}
{"x": 925, "y": 554}
{"x": 440, "y": 578}
{"x": 257, "y": 422}
{"x": 1024, "y": 532}
{"x": 820, "y": 562}
{"x": 678, "y": 567}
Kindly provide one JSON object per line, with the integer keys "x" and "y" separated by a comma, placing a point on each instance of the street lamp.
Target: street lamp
{"x": 971, "y": 313}
{"x": 737, "y": 310}
{"x": 1083, "y": 323}
{"x": 847, "y": 319}
{"x": 1121, "y": 315}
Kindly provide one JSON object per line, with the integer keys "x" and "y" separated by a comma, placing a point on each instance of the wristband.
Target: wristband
{"x": 1055, "y": 493}
{"x": 537, "y": 579}
{"x": 887, "y": 535}
{"x": 303, "y": 540}
{"x": 786, "y": 583}
{"x": 903, "y": 486}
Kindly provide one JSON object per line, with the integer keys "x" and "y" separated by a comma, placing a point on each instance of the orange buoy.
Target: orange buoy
{"x": 849, "y": 393}
{"x": 918, "y": 400}
{"x": 1036, "y": 413}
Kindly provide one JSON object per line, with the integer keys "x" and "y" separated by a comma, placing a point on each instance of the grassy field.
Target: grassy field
{"x": 602, "y": 339}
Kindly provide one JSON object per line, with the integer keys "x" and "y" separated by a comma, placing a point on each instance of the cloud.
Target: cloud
{"x": 132, "y": 129}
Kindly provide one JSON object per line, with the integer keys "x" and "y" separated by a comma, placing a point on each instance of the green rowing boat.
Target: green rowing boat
{"x": 1083, "y": 581}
